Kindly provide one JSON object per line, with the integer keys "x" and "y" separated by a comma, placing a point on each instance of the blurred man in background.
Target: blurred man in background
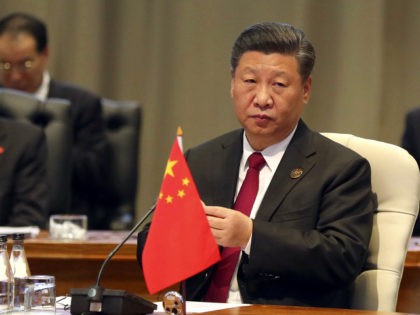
{"x": 23, "y": 182}
{"x": 23, "y": 65}
{"x": 411, "y": 142}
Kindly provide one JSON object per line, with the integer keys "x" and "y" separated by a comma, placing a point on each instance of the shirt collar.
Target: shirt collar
{"x": 271, "y": 154}
{"x": 42, "y": 92}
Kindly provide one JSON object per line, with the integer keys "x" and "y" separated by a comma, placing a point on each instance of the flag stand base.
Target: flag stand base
{"x": 112, "y": 302}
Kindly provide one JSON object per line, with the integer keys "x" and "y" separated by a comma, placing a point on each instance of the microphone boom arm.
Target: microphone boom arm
{"x": 115, "y": 250}
{"x": 104, "y": 301}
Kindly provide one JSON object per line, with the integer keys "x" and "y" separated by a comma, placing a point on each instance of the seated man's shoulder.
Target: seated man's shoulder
{"x": 75, "y": 93}
{"x": 224, "y": 140}
{"x": 414, "y": 112}
{"x": 336, "y": 149}
{"x": 23, "y": 134}
{"x": 20, "y": 127}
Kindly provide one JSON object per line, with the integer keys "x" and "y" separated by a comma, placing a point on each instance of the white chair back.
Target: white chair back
{"x": 395, "y": 180}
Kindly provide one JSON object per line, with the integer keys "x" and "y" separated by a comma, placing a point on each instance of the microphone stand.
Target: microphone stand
{"x": 97, "y": 300}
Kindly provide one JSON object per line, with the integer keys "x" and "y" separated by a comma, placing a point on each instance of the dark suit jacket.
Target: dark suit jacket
{"x": 90, "y": 193}
{"x": 411, "y": 142}
{"x": 311, "y": 234}
{"x": 23, "y": 183}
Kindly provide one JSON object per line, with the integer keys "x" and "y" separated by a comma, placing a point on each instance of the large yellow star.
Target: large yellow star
{"x": 169, "y": 168}
{"x": 169, "y": 199}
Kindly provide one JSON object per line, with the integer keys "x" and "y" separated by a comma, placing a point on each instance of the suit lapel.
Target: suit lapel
{"x": 226, "y": 170}
{"x": 4, "y": 140}
{"x": 296, "y": 163}
{"x": 52, "y": 89}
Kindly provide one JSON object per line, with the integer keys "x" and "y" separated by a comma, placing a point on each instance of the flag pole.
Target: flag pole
{"x": 179, "y": 205}
{"x": 179, "y": 134}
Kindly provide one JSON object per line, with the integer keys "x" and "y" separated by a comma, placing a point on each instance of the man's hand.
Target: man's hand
{"x": 230, "y": 228}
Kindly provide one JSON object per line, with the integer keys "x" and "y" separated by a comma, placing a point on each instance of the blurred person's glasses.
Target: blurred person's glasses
{"x": 23, "y": 66}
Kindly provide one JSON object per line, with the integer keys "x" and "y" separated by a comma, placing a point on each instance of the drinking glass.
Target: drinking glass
{"x": 40, "y": 294}
{"x": 68, "y": 227}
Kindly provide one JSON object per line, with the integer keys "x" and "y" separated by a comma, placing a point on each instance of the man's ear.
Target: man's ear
{"x": 46, "y": 52}
{"x": 307, "y": 86}
{"x": 232, "y": 74}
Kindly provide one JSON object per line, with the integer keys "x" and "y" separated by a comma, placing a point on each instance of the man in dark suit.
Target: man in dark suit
{"x": 23, "y": 183}
{"x": 23, "y": 61}
{"x": 411, "y": 142}
{"x": 307, "y": 236}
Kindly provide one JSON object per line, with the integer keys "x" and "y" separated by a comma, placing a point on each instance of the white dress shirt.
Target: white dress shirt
{"x": 42, "y": 92}
{"x": 272, "y": 155}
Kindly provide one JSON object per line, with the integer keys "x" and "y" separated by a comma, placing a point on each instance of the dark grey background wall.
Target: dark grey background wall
{"x": 173, "y": 57}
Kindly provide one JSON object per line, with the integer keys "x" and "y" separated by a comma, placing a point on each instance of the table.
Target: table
{"x": 409, "y": 294}
{"x": 292, "y": 310}
{"x": 270, "y": 310}
{"x": 76, "y": 265}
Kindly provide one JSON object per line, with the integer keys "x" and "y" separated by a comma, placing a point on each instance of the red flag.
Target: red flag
{"x": 179, "y": 244}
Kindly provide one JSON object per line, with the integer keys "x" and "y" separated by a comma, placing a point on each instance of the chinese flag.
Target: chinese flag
{"x": 179, "y": 244}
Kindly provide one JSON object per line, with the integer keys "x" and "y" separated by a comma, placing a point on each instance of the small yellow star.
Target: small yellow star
{"x": 181, "y": 193}
{"x": 160, "y": 195}
{"x": 169, "y": 199}
{"x": 169, "y": 168}
{"x": 185, "y": 181}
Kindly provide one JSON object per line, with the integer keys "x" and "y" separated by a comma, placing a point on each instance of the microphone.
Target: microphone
{"x": 97, "y": 300}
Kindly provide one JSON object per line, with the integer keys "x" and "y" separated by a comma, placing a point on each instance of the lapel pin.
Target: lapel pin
{"x": 296, "y": 173}
{"x": 1, "y": 150}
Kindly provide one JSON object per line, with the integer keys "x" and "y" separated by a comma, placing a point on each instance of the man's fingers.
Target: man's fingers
{"x": 219, "y": 212}
{"x": 215, "y": 222}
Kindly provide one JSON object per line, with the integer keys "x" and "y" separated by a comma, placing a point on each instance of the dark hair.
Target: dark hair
{"x": 16, "y": 23}
{"x": 273, "y": 37}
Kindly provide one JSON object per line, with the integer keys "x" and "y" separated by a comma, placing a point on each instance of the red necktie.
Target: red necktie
{"x": 220, "y": 283}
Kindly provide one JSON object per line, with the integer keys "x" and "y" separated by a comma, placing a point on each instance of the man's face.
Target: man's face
{"x": 21, "y": 65}
{"x": 268, "y": 96}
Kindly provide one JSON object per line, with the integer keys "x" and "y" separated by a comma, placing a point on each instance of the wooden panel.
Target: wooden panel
{"x": 77, "y": 264}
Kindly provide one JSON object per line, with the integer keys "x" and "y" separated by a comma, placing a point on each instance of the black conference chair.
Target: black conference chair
{"x": 54, "y": 117}
{"x": 123, "y": 124}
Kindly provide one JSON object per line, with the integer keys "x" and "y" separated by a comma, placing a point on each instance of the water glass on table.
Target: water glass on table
{"x": 68, "y": 227}
{"x": 40, "y": 294}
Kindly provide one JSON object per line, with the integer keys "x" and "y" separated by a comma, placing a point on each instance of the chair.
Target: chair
{"x": 395, "y": 180}
{"x": 53, "y": 116}
{"x": 123, "y": 124}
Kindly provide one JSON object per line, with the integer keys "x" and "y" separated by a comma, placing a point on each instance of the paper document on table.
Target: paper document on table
{"x": 63, "y": 304}
{"x": 29, "y": 231}
{"x": 201, "y": 307}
